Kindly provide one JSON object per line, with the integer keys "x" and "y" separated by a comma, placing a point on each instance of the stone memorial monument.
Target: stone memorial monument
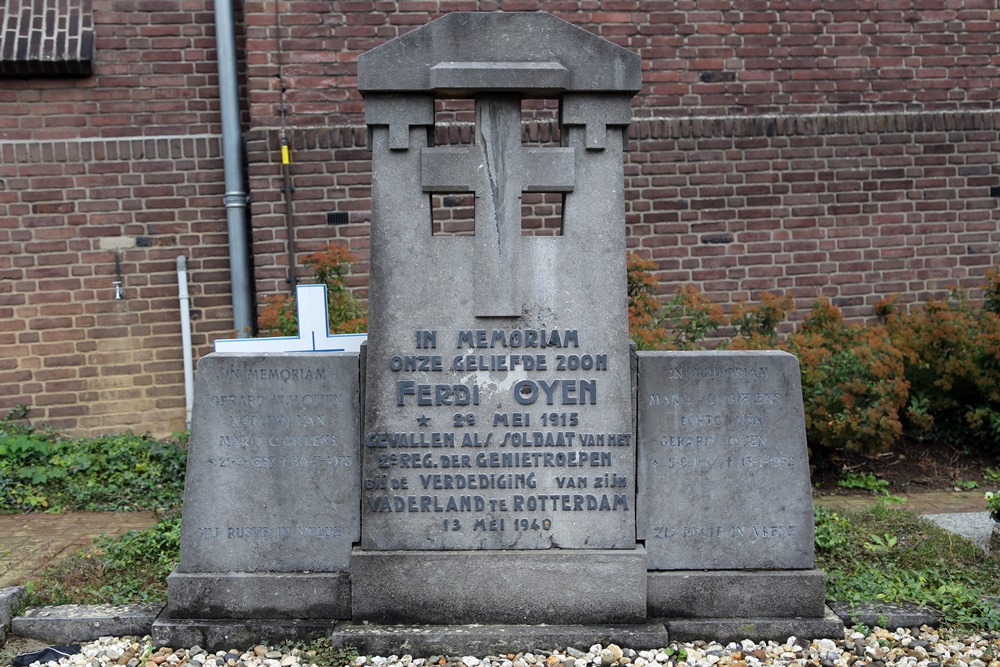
{"x": 498, "y": 423}
{"x": 510, "y": 463}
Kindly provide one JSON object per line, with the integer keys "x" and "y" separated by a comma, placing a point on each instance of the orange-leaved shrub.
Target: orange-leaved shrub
{"x": 679, "y": 323}
{"x": 952, "y": 355}
{"x": 329, "y": 266}
{"x": 853, "y": 379}
{"x": 853, "y": 382}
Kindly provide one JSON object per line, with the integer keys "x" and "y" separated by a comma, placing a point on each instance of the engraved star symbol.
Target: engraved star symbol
{"x": 423, "y": 420}
{"x": 209, "y": 461}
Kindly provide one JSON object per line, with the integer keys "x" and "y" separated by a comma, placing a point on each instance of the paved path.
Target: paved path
{"x": 930, "y": 502}
{"x": 30, "y": 542}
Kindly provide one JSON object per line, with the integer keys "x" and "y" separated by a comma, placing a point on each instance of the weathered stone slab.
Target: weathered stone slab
{"x": 272, "y": 479}
{"x": 490, "y": 587}
{"x": 62, "y": 624}
{"x": 534, "y": 53}
{"x": 724, "y": 630}
{"x": 731, "y": 593}
{"x": 228, "y": 634}
{"x": 261, "y": 595}
{"x": 428, "y": 640}
{"x": 723, "y": 473}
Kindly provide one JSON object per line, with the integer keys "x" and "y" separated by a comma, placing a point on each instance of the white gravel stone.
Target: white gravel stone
{"x": 899, "y": 648}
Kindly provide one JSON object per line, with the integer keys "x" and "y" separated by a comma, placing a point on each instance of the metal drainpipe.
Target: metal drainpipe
{"x": 235, "y": 198}
{"x": 185, "y": 304}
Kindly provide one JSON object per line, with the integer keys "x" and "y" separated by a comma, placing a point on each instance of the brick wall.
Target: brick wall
{"x": 853, "y": 207}
{"x": 128, "y": 158}
{"x": 841, "y": 148}
{"x": 704, "y": 57}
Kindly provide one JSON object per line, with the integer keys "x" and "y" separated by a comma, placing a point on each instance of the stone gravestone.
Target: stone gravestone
{"x": 498, "y": 432}
{"x": 270, "y": 500}
{"x": 725, "y": 502}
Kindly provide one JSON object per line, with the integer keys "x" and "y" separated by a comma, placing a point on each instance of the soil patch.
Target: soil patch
{"x": 910, "y": 467}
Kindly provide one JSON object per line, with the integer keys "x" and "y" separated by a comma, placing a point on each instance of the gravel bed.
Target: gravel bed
{"x": 877, "y": 648}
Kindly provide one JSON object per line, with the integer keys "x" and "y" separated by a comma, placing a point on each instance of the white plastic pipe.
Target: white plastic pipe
{"x": 182, "y": 282}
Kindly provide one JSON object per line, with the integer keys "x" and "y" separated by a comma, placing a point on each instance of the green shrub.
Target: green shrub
{"x": 41, "y": 470}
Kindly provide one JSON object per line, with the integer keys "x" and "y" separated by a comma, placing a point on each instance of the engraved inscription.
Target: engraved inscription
{"x": 506, "y": 462}
{"x": 725, "y": 426}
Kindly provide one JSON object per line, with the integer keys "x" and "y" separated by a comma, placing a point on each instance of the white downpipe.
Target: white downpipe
{"x": 182, "y": 282}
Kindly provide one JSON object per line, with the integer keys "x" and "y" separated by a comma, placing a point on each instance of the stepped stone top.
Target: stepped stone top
{"x": 534, "y": 54}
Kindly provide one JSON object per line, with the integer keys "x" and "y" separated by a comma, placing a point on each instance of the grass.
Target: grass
{"x": 889, "y": 554}
{"x": 114, "y": 570}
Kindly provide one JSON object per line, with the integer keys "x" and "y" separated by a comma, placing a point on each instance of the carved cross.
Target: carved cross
{"x": 497, "y": 168}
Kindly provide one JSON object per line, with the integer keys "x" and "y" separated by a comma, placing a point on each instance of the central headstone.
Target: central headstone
{"x": 498, "y": 421}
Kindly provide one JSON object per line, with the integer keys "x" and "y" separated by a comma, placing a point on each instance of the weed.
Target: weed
{"x": 320, "y": 652}
{"x": 881, "y": 543}
{"x": 991, "y": 475}
{"x": 831, "y": 529}
{"x": 114, "y": 570}
{"x": 968, "y": 485}
{"x": 865, "y": 481}
{"x": 912, "y": 561}
{"x": 44, "y": 471}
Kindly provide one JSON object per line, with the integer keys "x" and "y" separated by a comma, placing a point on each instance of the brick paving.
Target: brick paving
{"x": 30, "y": 542}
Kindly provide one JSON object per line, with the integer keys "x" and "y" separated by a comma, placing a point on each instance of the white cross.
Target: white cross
{"x": 314, "y": 330}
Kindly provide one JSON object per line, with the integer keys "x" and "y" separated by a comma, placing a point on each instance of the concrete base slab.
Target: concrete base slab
{"x": 885, "y": 615}
{"x": 428, "y": 640}
{"x": 568, "y": 586}
{"x": 64, "y": 624}
{"x": 726, "y": 630}
{"x": 225, "y": 634}
{"x": 736, "y": 593}
{"x": 239, "y": 595}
